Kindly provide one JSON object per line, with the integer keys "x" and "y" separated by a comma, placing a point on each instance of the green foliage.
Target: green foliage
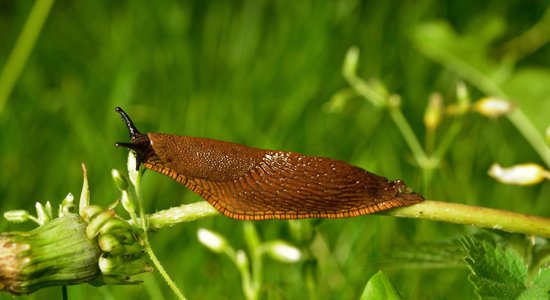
{"x": 496, "y": 273}
{"x": 499, "y": 273}
{"x": 540, "y": 287}
{"x": 380, "y": 286}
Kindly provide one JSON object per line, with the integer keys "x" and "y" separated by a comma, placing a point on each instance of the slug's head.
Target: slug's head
{"x": 139, "y": 142}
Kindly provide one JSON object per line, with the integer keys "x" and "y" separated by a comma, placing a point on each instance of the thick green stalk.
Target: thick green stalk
{"x": 429, "y": 210}
{"x": 474, "y": 215}
{"x": 181, "y": 214}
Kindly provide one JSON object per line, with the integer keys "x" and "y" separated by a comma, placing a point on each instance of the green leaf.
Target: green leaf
{"x": 540, "y": 287}
{"x": 380, "y": 287}
{"x": 496, "y": 273}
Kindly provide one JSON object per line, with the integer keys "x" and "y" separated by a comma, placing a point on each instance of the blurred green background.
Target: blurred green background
{"x": 260, "y": 73}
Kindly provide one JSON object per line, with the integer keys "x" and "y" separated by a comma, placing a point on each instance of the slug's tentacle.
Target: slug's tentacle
{"x": 140, "y": 142}
{"x": 254, "y": 184}
{"x": 132, "y": 129}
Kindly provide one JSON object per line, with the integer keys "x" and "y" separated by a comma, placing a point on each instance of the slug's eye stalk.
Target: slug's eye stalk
{"x": 139, "y": 142}
{"x": 132, "y": 130}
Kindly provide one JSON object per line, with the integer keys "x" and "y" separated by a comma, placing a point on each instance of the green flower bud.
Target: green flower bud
{"x": 56, "y": 253}
{"x": 114, "y": 224}
{"x": 123, "y": 265}
{"x": 17, "y": 216}
{"x": 97, "y": 222}
{"x": 118, "y": 244}
{"x": 351, "y": 60}
{"x": 242, "y": 260}
{"x": 43, "y": 212}
{"x": 90, "y": 211}
{"x": 120, "y": 180}
{"x": 128, "y": 204}
{"x": 434, "y": 111}
{"x": 66, "y": 205}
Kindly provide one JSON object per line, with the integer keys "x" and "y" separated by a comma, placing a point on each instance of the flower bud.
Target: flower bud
{"x": 97, "y": 222}
{"x": 350, "y": 62}
{"x": 283, "y": 252}
{"x": 212, "y": 240}
{"x": 126, "y": 264}
{"x": 17, "y": 216}
{"x": 241, "y": 260}
{"x": 43, "y": 212}
{"x": 394, "y": 101}
{"x": 523, "y": 174}
{"x": 127, "y": 203}
{"x": 432, "y": 115}
{"x": 115, "y": 224}
{"x": 56, "y": 253}
{"x": 120, "y": 180}
{"x": 66, "y": 205}
{"x": 133, "y": 168}
{"x": 90, "y": 211}
{"x": 493, "y": 107}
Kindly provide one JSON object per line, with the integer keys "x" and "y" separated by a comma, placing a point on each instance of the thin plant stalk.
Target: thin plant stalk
{"x": 409, "y": 136}
{"x": 23, "y": 47}
{"x": 144, "y": 226}
{"x": 530, "y": 133}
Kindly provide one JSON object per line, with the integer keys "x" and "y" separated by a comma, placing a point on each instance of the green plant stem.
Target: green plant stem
{"x": 474, "y": 215}
{"x": 25, "y": 43}
{"x": 409, "y": 136}
{"x": 146, "y": 245}
{"x": 253, "y": 241}
{"x": 162, "y": 271}
{"x": 181, "y": 214}
{"x": 530, "y": 133}
{"x": 430, "y": 210}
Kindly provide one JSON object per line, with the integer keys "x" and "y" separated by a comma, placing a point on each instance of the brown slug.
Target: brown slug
{"x": 247, "y": 183}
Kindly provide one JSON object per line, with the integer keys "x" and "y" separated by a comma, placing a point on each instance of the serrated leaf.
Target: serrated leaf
{"x": 496, "y": 273}
{"x": 380, "y": 286}
{"x": 540, "y": 287}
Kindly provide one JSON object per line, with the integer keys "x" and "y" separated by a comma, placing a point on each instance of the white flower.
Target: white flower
{"x": 522, "y": 174}
{"x": 283, "y": 252}
{"x": 493, "y": 107}
{"x": 133, "y": 170}
{"x": 212, "y": 240}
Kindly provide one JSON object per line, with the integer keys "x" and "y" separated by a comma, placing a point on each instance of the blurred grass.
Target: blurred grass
{"x": 258, "y": 73}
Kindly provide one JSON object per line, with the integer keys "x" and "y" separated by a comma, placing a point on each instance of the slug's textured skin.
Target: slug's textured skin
{"x": 254, "y": 184}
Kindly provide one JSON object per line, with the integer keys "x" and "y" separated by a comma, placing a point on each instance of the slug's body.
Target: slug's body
{"x": 254, "y": 184}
